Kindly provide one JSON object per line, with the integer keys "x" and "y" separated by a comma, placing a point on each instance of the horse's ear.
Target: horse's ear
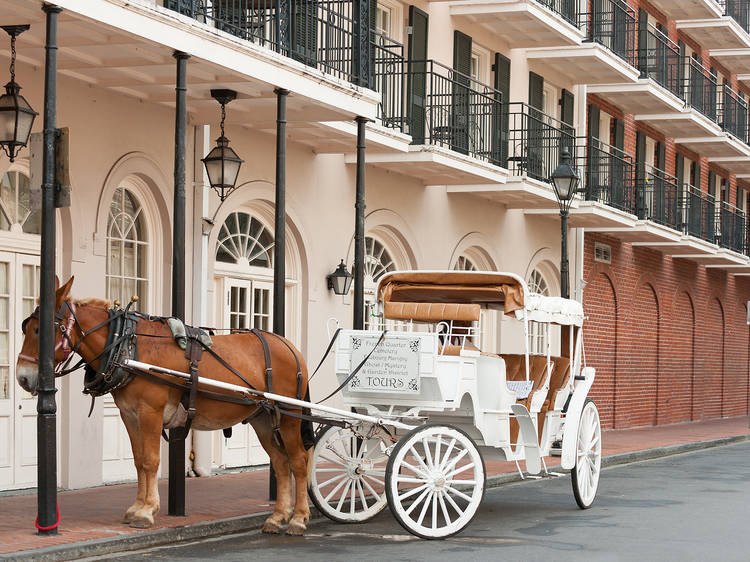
{"x": 62, "y": 293}
{"x": 57, "y": 283}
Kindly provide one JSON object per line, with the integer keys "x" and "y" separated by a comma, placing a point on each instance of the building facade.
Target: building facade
{"x": 470, "y": 105}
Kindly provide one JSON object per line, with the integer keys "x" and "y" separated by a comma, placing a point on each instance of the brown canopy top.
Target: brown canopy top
{"x": 491, "y": 289}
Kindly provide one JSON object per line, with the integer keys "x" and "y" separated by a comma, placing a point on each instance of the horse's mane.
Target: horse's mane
{"x": 93, "y": 301}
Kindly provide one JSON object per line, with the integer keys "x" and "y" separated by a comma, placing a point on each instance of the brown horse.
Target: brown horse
{"x": 146, "y": 405}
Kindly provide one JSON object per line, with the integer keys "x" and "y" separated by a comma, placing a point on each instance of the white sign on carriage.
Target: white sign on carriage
{"x": 392, "y": 367}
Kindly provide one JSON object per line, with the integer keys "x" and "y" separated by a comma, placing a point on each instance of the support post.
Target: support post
{"x": 361, "y": 50}
{"x": 46, "y": 407}
{"x": 279, "y": 243}
{"x": 564, "y": 290}
{"x": 359, "y": 229}
{"x": 177, "y": 446}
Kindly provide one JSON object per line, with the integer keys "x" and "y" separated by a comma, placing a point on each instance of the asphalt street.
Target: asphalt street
{"x": 685, "y": 507}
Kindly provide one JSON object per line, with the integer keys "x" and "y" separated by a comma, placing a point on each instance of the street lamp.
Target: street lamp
{"x": 340, "y": 280}
{"x": 16, "y": 115}
{"x": 222, "y": 163}
{"x": 565, "y": 182}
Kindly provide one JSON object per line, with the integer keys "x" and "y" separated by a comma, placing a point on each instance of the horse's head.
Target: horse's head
{"x": 27, "y": 366}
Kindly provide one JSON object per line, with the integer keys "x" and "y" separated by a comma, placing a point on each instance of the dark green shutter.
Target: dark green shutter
{"x": 593, "y": 121}
{"x": 713, "y": 90}
{"x": 568, "y": 133}
{"x": 640, "y": 162}
{"x": 622, "y": 196}
{"x": 502, "y": 85}
{"x": 712, "y": 183}
{"x": 305, "y": 31}
{"x": 459, "y": 137}
{"x": 619, "y": 139}
{"x": 661, "y": 155}
{"x": 681, "y": 68}
{"x": 619, "y": 43}
{"x": 569, "y": 11}
{"x": 695, "y": 179}
{"x": 535, "y": 128}
{"x": 230, "y": 16}
{"x": 417, "y": 75}
{"x": 643, "y": 41}
{"x": 679, "y": 168}
{"x": 593, "y": 155}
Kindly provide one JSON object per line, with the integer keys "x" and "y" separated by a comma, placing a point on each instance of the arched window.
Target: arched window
{"x": 537, "y": 331}
{"x": 378, "y": 262}
{"x": 464, "y": 263}
{"x": 245, "y": 244}
{"x": 17, "y": 212}
{"x": 127, "y": 249}
{"x": 244, "y": 240}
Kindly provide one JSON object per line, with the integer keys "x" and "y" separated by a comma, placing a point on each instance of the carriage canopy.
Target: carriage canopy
{"x": 495, "y": 290}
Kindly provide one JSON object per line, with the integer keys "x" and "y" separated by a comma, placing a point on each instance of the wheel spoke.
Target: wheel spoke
{"x": 416, "y": 455}
{"x": 362, "y": 495}
{"x": 317, "y": 470}
{"x": 444, "y": 509}
{"x": 460, "y": 470}
{"x": 424, "y": 508}
{"x": 434, "y": 510}
{"x": 448, "y": 452}
{"x": 368, "y": 475}
{"x": 451, "y": 501}
{"x": 451, "y": 465}
{"x": 409, "y": 479}
{"x": 419, "y": 499}
{"x": 332, "y": 480}
{"x": 427, "y": 454}
{"x": 467, "y": 482}
{"x": 458, "y": 493}
{"x": 411, "y": 492}
{"x": 334, "y": 461}
{"x": 335, "y": 490}
{"x": 352, "y": 498}
{"x": 343, "y": 495}
{"x": 414, "y": 469}
{"x": 370, "y": 488}
{"x": 438, "y": 441}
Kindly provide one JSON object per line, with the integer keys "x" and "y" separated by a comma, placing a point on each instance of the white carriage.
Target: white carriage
{"x": 429, "y": 405}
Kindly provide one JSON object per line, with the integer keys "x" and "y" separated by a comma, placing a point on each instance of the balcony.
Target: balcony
{"x": 454, "y": 122}
{"x": 689, "y": 9}
{"x": 523, "y": 23}
{"x": 729, "y": 31}
{"x": 659, "y": 89}
{"x": 699, "y": 214}
{"x": 725, "y": 225}
{"x": 607, "y": 55}
{"x": 732, "y": 223}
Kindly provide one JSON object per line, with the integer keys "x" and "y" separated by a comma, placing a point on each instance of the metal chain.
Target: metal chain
{"x": 13, "y": 57}
{"x": 223, "y": 116}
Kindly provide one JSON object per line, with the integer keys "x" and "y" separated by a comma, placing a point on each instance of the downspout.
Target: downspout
{"x": 202, "y": 441}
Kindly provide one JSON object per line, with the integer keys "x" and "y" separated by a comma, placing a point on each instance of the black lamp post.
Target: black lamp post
{"x": 565, "y": 181}
{"x": 16, "y": 115}
{"x": 340, "y": 280}
{"x": 222, "y": 163}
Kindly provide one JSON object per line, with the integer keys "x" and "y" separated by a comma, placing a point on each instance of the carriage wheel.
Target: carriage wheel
{"x": 435, "y": 481}
{"x": 585, "y": 474}
{"x": 348, "y": 470}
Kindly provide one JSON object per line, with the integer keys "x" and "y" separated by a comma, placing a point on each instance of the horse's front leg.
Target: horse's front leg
{"x": 280, "y": 463}
{"x": 144, "y": 429}
{"x": 298, "y": 459}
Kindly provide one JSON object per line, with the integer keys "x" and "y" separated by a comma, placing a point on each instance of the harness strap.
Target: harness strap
{"x": 296, "y": 359}
{"x": 325, "y": 355}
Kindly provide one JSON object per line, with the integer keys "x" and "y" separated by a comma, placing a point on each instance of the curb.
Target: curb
{"x": 245, "y": 523}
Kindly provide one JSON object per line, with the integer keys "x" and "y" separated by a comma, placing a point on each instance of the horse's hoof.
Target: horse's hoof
{"x": 271, "y": 528}
{"x": 296, "y": 528}
{"x": 141, "y": 522}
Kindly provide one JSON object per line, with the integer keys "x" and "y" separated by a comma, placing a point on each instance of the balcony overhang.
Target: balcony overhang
{"x": 739, "y": 165}
{"x": 721, "y": 33}
{"x": 686, "y": 123}
{"x": 340, "y": 137}
{"x": 589, "y": 63}
{"x": 689, "y": 9}
{"x": 435, "y": 165}
{"x": 734, "y": 269}
{"x": 643, "y": 233}
{"x": 736, "y": 61}
{"x": 645, "y": 96}
{"x": 592, "y": 215}
{"x": 721, "y": 258}
{"x": 521, "y": 23}
{"x": 744, "y": 79}
{"x": 724, "y": 145}
{"x": 516, "y": 193}
{"x": 127, "y": 48}
{"x": 684, "y": 246}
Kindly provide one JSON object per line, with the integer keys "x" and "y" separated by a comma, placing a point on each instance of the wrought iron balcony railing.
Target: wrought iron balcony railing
{"x": 534, "y": 142}
{"x": 450, "y": 109}
{"x": 320, "y": 33}
{"x": 733, "y": 113}
{"x": 608, "y": 174}
{"x": 731, "y": 223}
{"x": 388, "y": 79}
{"x": 659, "y": 59}
{"x": 700, "y": 89}
{"x": 568, "y": 9}
{"x": 698, "y": 214}
{"x": 657, "y": 196}
{"x": 739, "y": 10}
{"x": 613, "y": 24}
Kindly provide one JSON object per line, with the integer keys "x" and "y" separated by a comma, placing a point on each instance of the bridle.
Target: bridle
{"x": 66, "y": 320}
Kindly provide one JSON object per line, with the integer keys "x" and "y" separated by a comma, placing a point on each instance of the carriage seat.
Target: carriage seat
{"x": 432, "y": 312}
{"x": 558, "y": 382}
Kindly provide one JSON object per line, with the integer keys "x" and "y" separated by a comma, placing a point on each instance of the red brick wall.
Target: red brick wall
{"x": 667, "y": 336}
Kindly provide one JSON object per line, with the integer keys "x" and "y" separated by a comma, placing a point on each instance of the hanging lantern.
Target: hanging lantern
{"x": 222, "y": 163}
{"x": 16, "y": 115}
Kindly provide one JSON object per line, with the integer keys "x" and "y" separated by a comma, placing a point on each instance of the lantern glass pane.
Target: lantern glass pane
{"x": 7, "y": 124}
{"x": 231, "y": 171}
{"x": 25, "y": 121}
{"x": 339, "y": 284}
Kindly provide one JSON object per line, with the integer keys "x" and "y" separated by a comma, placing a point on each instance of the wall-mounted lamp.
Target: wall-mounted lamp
{"x": 340, "y": 280}
{"x": 16, "y": 115}
{"x": 222, "y": 163}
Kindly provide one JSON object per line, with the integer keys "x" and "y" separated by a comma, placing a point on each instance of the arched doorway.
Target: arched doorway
{"x": 475, "y": 258}
{"x": 243, "y": 287}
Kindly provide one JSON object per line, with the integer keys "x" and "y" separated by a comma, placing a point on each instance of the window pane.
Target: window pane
{"x": 4, "y": 278}
{"x": 4, "y": 313}
{"x": 127, "y": 266}
{"x": 129, "y": 259}
{"x": 243, "y": 236}
{"x": 4, "y": 382}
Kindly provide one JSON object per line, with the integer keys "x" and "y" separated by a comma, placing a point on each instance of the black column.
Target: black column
{"x": 279, "y": 245}
{"x": 359, "y": 230}
{"x": 46, "y": 421}
{"x": 177, "y": 446}
{"x": 564, "y": 281}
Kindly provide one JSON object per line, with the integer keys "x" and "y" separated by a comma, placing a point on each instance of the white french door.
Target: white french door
{"x": 19, "y": 291}
{"x": 245, "y": 304}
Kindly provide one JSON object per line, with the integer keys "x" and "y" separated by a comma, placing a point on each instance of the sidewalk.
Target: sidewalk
{"x": 232, "y": 502}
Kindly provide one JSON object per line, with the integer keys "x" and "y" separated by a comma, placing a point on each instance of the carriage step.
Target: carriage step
{"x": 528, "y": 436}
